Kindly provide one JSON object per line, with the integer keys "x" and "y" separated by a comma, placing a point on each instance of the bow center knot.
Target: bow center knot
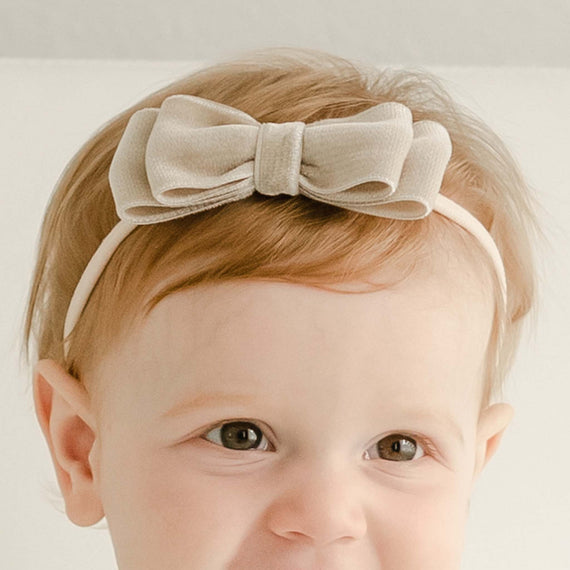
{"x": 278, "y": 158}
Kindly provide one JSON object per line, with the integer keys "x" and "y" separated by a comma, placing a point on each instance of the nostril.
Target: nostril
{"x": 303, "y": 538}
{"x": 297, "y": 536}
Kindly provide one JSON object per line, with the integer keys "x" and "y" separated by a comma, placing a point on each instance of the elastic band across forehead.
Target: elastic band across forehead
{"x": 195, "y": 154}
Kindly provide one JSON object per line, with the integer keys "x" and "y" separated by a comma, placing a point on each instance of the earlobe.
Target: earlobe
{"x": 492, "y": 424}
{"x": 63, "y": 410}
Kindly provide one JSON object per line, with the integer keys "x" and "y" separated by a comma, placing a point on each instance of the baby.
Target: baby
{"x": 275, "y": 304}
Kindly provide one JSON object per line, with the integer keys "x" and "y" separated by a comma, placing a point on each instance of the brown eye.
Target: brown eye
{"x": 238, "y": 435}
{"x": 396, "y": 447}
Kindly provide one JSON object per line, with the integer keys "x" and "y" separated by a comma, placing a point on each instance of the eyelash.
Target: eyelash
{"x": 425, "y": 443}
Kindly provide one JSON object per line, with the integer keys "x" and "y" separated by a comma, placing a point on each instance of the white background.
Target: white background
{"x": 520, "y": 511}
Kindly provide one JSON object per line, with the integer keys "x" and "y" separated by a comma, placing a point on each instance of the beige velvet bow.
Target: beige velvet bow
{"x": 194, "y": 154}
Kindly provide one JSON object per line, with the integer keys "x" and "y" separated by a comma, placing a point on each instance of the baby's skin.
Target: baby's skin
{"x": 265, "y": 425}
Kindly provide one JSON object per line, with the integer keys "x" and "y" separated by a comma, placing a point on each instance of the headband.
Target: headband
{"x": 194, "y": 154}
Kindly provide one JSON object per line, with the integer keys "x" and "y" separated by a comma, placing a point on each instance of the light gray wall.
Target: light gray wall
{"x": 434, "y": 32}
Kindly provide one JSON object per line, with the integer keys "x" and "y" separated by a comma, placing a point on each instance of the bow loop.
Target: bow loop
{"x": 343, "y": 153}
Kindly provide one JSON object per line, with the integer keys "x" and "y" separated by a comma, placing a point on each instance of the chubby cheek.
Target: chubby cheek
{"x": 163, "y": 513}
{"x": 424, "y": 530}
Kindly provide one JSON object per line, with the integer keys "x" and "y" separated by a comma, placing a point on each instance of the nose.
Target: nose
{"x": 319, "y": 506}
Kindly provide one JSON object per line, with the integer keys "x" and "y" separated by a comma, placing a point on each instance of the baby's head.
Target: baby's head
{"x": 279, "y": 382}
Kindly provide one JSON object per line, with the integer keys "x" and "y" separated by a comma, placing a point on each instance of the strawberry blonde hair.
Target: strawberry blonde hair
{"x": 291, "y": 239}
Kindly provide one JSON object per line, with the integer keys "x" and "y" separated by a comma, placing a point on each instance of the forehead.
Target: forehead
{"x": 420, "y": 342}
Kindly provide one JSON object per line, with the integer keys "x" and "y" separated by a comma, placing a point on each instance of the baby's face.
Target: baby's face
{"x": 264, "y": 425}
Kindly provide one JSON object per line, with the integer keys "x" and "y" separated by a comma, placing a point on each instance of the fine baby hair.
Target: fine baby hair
{"x": 293, "y": 239}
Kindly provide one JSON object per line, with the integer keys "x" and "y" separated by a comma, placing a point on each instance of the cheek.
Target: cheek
{"x": 162, "y": 512}
{"x": 191, "y": 503}
{"x": 425, "y": 530}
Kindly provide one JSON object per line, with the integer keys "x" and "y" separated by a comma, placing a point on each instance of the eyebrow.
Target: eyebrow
{"x": 206, "y": 400}
{"x": 213, "y": 399}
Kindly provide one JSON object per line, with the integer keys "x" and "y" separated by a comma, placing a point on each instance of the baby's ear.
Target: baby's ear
{"x": 493, "y": 421}
{"x": 64, "y": 413}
